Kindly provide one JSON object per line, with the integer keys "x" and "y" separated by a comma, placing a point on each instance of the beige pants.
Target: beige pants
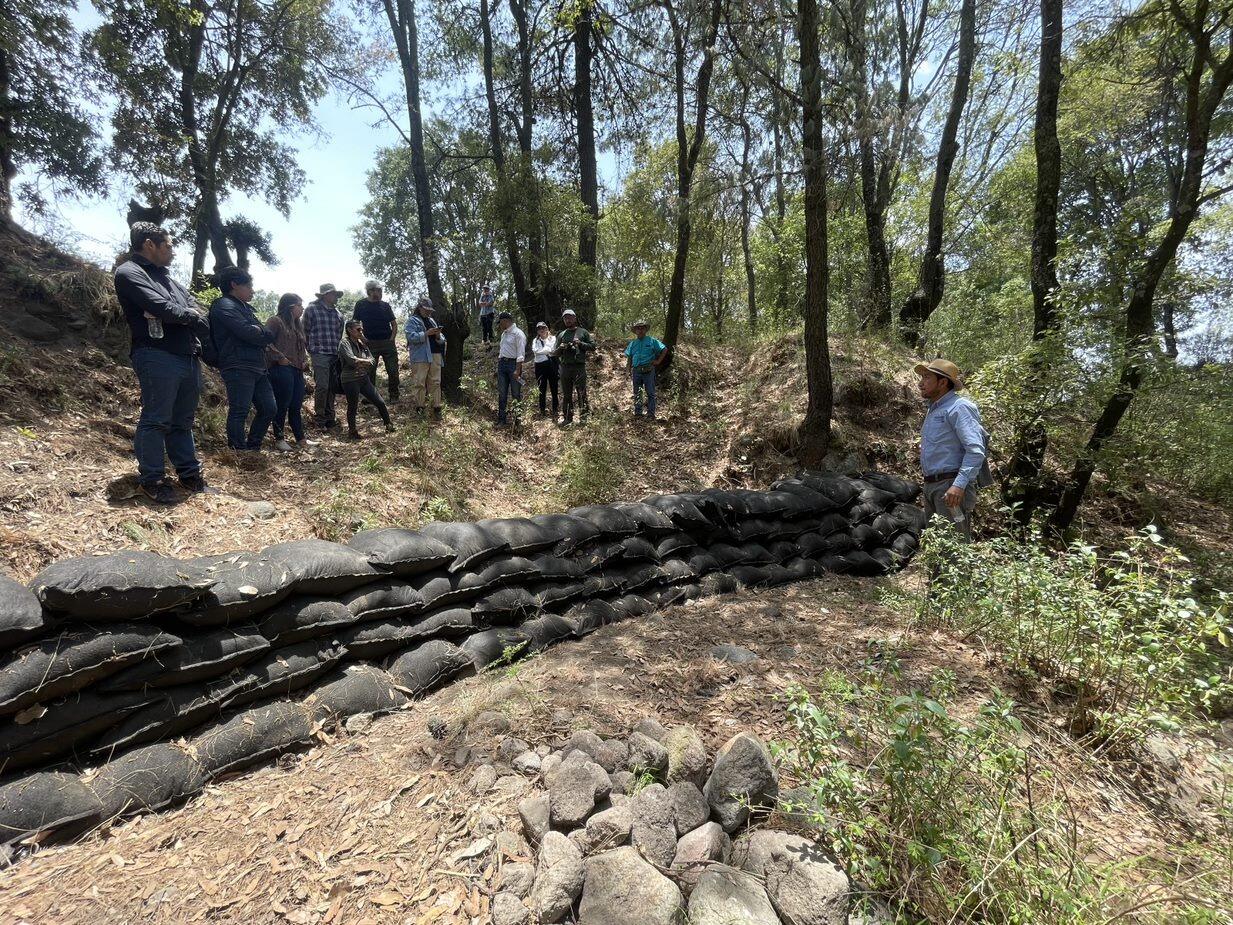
{"x": 426, "y": 383}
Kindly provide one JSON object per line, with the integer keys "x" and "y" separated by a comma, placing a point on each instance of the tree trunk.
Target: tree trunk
{"x": 588, "y": 172}
{"x": 525, "y": 129}
{"x": 687, "y": 152}
{"x": 932, "y": 281}
{"x": 453, "y": 317}
{"x": 1169, "y": 329}
{"x": 8, "y": 163}
{"x": 1022, "y": 489}
{"x": 815, "y": 430}
{"x": 751, "y": 289}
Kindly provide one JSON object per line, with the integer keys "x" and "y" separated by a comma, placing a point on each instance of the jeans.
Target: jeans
{"x": 574, "y": 379}
{"x": 387, "y": 351}
{"x": 486, "y": 327}
{"x": 507, "y": 370}
{"x": 644, "y": 380}
{"x": 353, "y": 390}
{"x": 323, "y": 397}
{"x": 170, "y": 387}
{"x": 548, "y": 375}
{"x": 426, "y": 383}
{"x": 934, "y": 504}
{"x": 288, "y": 385}
{"x": 248, "y": 388}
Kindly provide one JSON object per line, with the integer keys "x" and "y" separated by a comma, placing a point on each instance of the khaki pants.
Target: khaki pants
{"x": 426, "y": 383}
{"x": 934, "y": 504}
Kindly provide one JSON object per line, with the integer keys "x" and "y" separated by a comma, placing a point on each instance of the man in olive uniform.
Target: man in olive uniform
{"x": 573, "y": 345}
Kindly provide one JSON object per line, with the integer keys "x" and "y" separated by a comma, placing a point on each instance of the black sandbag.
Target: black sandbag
{"x": 146, "y": 779}
{"x": 783, "y": 550}
{"x": 756, "y": 554}
{"x": 546, "y": 629}
{"x": 522, "y": 535}
{"x": 120, "y": 586}
{"x": 356, "y": 689}
{"x": 73, "y": 660}
{"x": 832, "y": 523}
{"x": 304, "y": 617}
{"x": 835, "y": 562}
{"x": 752, "y": 528}
{"x": 195, "y": 658}
{"x": 836, "y": 487}
{"x": 676, "y": 571}
{"x": 322, "y": 567}
{"x": 635, "y": 605}
{"x": 769, "y": 505}
{"x": 430, "y": 665}
{"x": 471, "y": 543}
{"x": 885, "y": 526}
{"x": 589, "y": 617}
{"x": 776, "y": 574}
{"x": 674, "y": 543}
{"x": 289, "y": 669}
{"x": 442, "y": 589}
{"x": 242, "y": 584}
{"x": 574, "y": 531}
{"x": 604, "y": 583}
{"x": 703, "y": 562}
{"x": 553, "y": 594}
{"x": 909, "y": 517}
{"x": 632, "y": 577}
{"x": 651, "y": 522}
{"x": 718, "y": 583}
{"x": 730, "y": 503}
{"x": 802, "y": 568}
{"x": 814, "y": 502}
{"x": 500, "y": 645}
{"x": 870, "y": 503}
{"x": 710, "y": 506}
{"x": 178, "y": 710}
{"x": 728, "y": 555}
{"x": 21, "y": 614}
{"x": 376, "y": 639}
{"x": 507, "y": 570}
{"x": 865, "y": 537}
{"x": 637, "y": 549}
{"x": 664, "y": 598}
{"x": 905, "y": 490}
{"x": 611, "y": 521}
{"x": 46, "y": 802}
{"x": 401, "y": 551}
{"x": 689, "y": 592}
{"x": 250, "y": 737}
{"x": 791, "y": 529}
{"x": 683, "y": 512}
{"x": 838, "y": 544}
{"x": 751, "y": 576}
{"x": 813, "y": 545}
{"x": 558, "y": 568}
{"x": 862, "y": 563}
{"x": 905, "y": 545}
{"x": 384, "y": 600}
{"x": 62, "y": 725}
{"x": 886, "y": 558}
{"x": 504, "y": 605}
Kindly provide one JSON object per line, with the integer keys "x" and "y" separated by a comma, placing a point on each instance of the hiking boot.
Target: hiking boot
{"x": 194, "y": 484}
{"x": 436, "y": 414}
{"x": 159, "y": 493}
{"x": 390, "y": 428}
{"x": 282, "y": 446}
{"x": 354, "y": 434}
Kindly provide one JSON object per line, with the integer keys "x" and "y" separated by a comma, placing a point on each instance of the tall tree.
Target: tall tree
{"x": 44, "y": 132}
{"x": 208, "y": 92}
{"x": 815, "y": 430}
{"x": 932, "y": 280}
{"x": 588, "y": 165}
{"x": 689, "y": 145}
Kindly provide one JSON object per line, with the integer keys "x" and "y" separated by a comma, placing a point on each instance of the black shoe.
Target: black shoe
{"x": 159, "y": 493}
{"x": 194, "y": 484}
{"x": 436, "y": 414}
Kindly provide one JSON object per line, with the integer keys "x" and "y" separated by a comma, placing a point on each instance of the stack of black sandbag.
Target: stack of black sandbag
{"x": 157, "y": 675}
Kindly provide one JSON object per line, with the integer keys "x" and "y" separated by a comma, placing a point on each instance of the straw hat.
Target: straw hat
{"x": 939, "y": 367}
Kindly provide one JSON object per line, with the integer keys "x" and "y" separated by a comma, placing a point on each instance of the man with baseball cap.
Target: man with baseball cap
{"x": 644, "y": 354}
{"x": 954, "y": 446}
{"x": 573, "y": 345}
{"x": 323, "y": 326}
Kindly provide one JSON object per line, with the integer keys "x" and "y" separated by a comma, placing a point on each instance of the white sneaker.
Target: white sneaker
{"x": 307, "y": 442}
{"x": 283, "y": 446}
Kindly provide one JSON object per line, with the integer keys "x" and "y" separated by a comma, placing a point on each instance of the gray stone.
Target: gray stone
{"x": 612, "y": 755}
{"x": 535, "y": 813}
{"x": 511, "y": 748}
{"x": 733, "y": 654}
{"x": 697, "y": 850}
{"x": 689, "y": 807}
{"x": 799, "y": 807}
{"x": 493, "y": 722}
{"x": 262, "y": 510}
{"x": 517, "y": 878}
{"x": 358, "y": 722}
{"x": 562, "y": 718}
{"x": 726, "y": 896}
{"x": 543, "y": 751}
{"x": 508, "y": 909}
{"x": 512, "y": 846}
{"x": 646, "y": 754}
{"x": 686, "y": 756}
{"x": 527, "y": 763}
{"x": 486, "y": 822}
{"x": 622, "y": 782}
{"x": 609, "y": 828}
{"x": 623, "y": 889}
{"x": 558, "y": 878}
{"x": 652, "y": 831}
{"x": 30, "y": 327}
{"x": 549, "y": 763}
{"x": 462, "y": 755}
{"x": 581, "y": 840}
{"x": 744, "y": 776}
{"x": 511, "y": 785}
{"x": 484, "y": 778}
{"x": 652, "y": 729}
{"x": 584, "y": 740}
{"x": 571, "y": 795}
{"x": 619, "y": 799}
{"x": 802, "y": 883}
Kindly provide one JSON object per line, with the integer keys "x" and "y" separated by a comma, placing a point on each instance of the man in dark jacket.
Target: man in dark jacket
{"x": 380, "y": 325}
{"x": 166, "y": 325}
{"x": 241, "y": 340}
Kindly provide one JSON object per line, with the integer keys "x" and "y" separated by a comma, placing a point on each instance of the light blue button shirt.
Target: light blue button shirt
{"x": 952, "y": 439}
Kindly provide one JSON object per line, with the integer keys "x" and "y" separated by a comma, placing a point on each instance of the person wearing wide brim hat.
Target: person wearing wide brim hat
{"x": 644, "y": 355}
{"x": 954, "y": 446}
{"x": 573, "y": 345}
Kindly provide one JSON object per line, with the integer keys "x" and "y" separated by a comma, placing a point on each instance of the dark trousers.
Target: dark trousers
{"x": 574, "y": 379}
{"x": 363, "y": 387}
{"x": 170, "y": 387}
{"x": 548, "y": 375}
{"x": 486, "y": 327}
{"x": 288, "y": 385}
{"x": 248, "y": 388}
{"x": 385, "y": 351}
{"x": 507, "y": 370}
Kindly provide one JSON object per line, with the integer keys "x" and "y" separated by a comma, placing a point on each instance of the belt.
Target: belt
{"x": 941, "y": 477}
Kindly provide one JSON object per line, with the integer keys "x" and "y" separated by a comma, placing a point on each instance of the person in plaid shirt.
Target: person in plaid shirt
{"x": 323, "y": 324}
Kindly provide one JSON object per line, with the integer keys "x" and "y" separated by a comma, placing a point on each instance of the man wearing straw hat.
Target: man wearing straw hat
{"x": 954, "y": 446}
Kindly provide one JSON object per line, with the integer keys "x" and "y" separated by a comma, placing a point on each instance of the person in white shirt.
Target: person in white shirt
{"x": 510, "y": 355}
{"x": 547, "y": 367}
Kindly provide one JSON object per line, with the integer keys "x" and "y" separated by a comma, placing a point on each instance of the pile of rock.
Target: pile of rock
{"x": 643, "y": 830}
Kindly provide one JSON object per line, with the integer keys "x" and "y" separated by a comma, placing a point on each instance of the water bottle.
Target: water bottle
{"x": 154, "y": 326}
